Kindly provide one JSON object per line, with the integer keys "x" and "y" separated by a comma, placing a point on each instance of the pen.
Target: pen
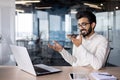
{"x": 105, "y": 74}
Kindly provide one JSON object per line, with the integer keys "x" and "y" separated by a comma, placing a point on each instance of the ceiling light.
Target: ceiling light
{"x": 116, "y": 7}
{"x": 19, "y": 10}
{"x": 92, "y": 5}
{"x": 28, "y": 1}
{"x": 101, "y": 4}
{"x": 43, "y": 7}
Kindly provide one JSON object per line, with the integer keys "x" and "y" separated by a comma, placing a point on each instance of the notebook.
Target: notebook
{"x": 103, "y": 76}
{"x": 24, "y": 62}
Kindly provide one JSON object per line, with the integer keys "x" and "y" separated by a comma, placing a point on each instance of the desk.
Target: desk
{"x": 13, "y": 73}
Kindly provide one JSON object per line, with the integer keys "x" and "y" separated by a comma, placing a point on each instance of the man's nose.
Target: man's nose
{"x": 81, "y": 28}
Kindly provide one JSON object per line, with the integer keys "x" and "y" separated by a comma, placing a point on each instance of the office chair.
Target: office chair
{"x": 108, "y": 54}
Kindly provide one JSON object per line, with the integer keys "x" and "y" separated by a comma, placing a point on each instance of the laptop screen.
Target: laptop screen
{"x": 24, "y": 62}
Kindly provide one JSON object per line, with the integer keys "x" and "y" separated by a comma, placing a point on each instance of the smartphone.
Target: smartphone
{"x": 72, "y": 35}
{"x": 71, "y": 75}
{"x": 80, "y": 76}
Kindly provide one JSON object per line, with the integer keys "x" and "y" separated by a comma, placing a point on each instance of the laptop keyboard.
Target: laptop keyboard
{"x": 40, "y": 70}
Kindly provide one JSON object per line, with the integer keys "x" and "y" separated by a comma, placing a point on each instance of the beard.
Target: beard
{"x": 85, "y": 33}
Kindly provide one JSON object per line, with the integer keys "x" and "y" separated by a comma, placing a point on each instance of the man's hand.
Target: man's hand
{"x": 56, "y": 46}
{"x": 77, "y": 42}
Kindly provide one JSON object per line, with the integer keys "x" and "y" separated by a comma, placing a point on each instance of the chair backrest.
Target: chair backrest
{"x": 108, "y": 54}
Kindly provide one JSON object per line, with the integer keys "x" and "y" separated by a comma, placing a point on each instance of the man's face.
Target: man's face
{"x": 84, "y": 26}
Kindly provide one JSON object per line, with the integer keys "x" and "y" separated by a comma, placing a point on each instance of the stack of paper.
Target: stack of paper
{"x": 103, "y": 76}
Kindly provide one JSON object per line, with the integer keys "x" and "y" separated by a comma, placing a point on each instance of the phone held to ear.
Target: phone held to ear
{"x": 72, "y": 35}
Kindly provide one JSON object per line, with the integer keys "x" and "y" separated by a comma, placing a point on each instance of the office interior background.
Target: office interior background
{"x": 36, "y": 23}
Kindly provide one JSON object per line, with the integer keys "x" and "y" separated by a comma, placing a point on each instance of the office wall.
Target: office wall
{"x": 7, "y": 14}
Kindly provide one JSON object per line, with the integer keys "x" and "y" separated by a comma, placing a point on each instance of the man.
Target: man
{"x": 89, "y": 48}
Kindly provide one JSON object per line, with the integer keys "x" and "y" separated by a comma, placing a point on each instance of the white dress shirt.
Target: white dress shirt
{"x": 92, "y": 52}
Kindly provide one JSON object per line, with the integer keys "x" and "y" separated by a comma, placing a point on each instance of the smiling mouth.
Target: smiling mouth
{"x": 83, "y": 31}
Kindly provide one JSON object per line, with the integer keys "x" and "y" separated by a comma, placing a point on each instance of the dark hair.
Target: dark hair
{"x": 91, "y": 17}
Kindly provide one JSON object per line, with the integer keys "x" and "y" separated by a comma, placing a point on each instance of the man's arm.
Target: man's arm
{"x": 65, "y": 54}
{"x": 68, "y": 57}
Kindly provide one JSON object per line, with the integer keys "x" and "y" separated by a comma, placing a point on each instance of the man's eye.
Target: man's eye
{"x": 84, "y": 24}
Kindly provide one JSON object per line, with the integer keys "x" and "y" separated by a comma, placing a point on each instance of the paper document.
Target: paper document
{"x": 103, "y": 76}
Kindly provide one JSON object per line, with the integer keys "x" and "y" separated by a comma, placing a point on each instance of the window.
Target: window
{"x": 24, "y": 25}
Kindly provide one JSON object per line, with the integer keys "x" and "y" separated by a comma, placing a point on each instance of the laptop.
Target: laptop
{"x": 24, "y": 62}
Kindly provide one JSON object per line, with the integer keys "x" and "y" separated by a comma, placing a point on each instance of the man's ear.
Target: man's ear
{"x": 93, "y": 25}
